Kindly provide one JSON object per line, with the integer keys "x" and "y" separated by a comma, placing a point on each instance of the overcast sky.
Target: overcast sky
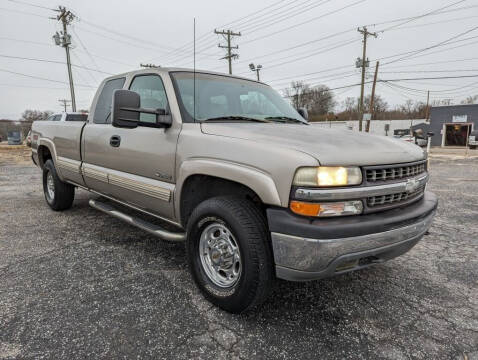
{"x": 311, "y": 40}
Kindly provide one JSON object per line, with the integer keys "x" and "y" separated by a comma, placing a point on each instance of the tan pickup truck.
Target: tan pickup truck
{"x": 240, "y": 176}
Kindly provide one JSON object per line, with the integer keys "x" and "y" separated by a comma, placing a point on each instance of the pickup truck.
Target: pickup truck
{"x": 235, "y": 172}
{"x": 473, "y": 139}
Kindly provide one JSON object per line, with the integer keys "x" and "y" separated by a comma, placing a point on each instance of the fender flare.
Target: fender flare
{"x": 51, "y": 146}
{"x": 258, "y": 181}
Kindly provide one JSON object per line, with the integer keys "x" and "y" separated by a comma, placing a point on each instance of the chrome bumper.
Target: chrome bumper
{"x": 301, "y": 259}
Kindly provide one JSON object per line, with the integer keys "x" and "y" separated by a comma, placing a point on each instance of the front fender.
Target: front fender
{"x": 258, "y": 181}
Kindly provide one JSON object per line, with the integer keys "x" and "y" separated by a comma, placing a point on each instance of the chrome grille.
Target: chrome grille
{"x": 387, "y": 173}
{"x": 374, "y": 201}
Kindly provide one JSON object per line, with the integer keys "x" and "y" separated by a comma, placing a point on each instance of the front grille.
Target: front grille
{"x": 394, "y": 172}
{"x": 397, "y": 198}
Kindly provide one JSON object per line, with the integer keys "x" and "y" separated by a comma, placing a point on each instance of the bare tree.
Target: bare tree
{"x": 470, "y": 100}
{"x": 33, "y": 115}
{"x": 297, "y": 93}
{"x": 380, "y": 106}
{"x": 320, "y": 100}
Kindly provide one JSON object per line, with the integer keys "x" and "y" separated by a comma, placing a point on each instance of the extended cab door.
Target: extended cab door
{"x": 136, "y": 165}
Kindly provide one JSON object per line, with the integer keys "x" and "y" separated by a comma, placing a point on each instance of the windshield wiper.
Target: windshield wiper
{"x": 235, "y": 117}
{"x": 284, "y": 119}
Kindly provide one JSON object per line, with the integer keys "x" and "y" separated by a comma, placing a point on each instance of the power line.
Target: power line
{"x": 426, "y": 71}
{"x": 402, "y": 79}
{"x": 286, "y": 15}
{"x": 207, "y": 34}
{"x": 30, "y": 4}
{"x": 320, "y": 51}
{"x": 23, "y": 12}
{"x": 53, "y": 62}
{"x": 422, "y": 16}
{"x": 89, "y": 72}
{"x": 437, "y": 22}
{"x": 305, "y": 22}
{"x": 41, "y": 78}
{"x": 304, "y": 44}
{"x": 27, "y": 41}
{"x": 302, "y": 23}
{"x": 412, "y": 53}
{"x": 434, "y": 63}
{"x": 86, "y": 50}
{"x": 435, "y": 12}
{"x": 412, "y": 17}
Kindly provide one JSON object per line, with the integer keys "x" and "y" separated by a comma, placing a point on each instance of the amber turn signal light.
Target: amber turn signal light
{"x": 303, "y": 208}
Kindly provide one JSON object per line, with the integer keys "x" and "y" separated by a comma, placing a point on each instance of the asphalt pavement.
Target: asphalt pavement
{"x": 80, "y": 284}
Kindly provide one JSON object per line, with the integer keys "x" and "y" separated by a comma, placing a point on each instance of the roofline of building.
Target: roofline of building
{"x": 442, "y": 106}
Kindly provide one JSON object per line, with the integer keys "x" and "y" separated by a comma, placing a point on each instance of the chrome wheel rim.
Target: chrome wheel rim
{"x": 220, "y": 255}
{"x": 50, "y": 186}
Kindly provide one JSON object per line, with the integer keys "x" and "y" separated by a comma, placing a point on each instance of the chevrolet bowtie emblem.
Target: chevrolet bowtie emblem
{"x": 412, "y": 185}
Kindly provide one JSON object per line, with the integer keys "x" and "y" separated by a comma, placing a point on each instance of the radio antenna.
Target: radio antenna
{"x": 194, "y": 71}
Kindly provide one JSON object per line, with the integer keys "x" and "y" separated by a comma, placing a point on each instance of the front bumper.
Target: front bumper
{"x": 306, "y": 249}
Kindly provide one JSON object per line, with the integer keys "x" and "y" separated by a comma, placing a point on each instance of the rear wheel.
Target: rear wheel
{"x": 229, "y": 253}
{"x": 58, "y": 194}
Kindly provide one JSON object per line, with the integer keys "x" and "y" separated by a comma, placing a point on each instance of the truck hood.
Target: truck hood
{"x": 328, "y": 146}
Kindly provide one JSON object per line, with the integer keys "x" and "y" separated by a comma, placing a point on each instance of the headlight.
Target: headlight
{"x": 342, "y": 208}
{"x": 328, "y": 176}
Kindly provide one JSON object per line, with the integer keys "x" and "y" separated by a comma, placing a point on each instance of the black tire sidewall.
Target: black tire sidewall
{"x": 241, "y": 294}
{"x": 49, "y": 168}
{"x": 64, "y": 192}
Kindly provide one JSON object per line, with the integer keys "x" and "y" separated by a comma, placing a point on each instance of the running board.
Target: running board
{"x": 135, "y": 221}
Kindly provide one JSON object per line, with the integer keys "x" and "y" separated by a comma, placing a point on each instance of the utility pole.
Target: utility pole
{"x": 228, "y": 34}
{"x": 364, "y": 64}
{"x": 372, "y": 98}
{"x": 63, "y": 39}
{"x": 64, "y": 102}
{"x": 427, "y": 110}
{"x": 257, "y": 69}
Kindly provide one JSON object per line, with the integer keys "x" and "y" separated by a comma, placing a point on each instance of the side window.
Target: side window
{"x": 103, "y": 106}
{"x": 76, "y": 117}
{"x": 151, "y": 91}
{"x": 56, "y": 118}
{"x": 50, "y": 118}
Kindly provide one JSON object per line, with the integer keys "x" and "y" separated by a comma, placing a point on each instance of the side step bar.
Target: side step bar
{"x": 135, "y": 221}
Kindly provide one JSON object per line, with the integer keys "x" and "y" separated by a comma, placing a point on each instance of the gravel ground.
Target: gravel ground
{"x": 79, "y": 284}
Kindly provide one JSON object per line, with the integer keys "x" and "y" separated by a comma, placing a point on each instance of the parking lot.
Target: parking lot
{"x": 79, "y": 284}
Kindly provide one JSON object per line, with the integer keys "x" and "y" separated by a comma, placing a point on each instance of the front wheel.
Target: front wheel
{"x": 229, "y": 253}
{"x": 58, "y": 194}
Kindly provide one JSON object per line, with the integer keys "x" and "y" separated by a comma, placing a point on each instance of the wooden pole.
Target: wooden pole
{"x": 372, "y": 98}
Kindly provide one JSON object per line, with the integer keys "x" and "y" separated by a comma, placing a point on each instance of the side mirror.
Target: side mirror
{"x": 126, "y": 110}
{"x": 303, "y": 112}
{"x": 430, "y": 133}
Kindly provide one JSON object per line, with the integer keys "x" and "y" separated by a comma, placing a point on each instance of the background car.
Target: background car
{"x": 14, "y": 137}
{"x": 29, "y": 139}
{"x": 473, "y": 139}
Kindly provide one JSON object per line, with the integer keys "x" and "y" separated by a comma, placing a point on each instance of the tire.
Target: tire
{"x": 58, "y": 194}
{"x": 472, "y": 147}
{"x": 234, "y": 222}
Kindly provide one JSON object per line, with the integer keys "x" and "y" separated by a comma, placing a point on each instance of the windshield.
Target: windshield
{"x": 229, "y": 99}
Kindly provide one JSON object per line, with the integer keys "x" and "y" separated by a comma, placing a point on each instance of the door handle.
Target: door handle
{"x": 115, "y": 140}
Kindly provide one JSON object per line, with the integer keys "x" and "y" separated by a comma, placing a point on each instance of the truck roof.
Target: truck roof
{"x": 174, "y": 69}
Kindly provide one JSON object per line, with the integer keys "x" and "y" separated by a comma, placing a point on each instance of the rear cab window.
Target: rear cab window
{"x": 76, "y": 117}
{"x": 102, "y": 114}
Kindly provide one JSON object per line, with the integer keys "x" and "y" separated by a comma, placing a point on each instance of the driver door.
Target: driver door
{"x": 139, "y": 162}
